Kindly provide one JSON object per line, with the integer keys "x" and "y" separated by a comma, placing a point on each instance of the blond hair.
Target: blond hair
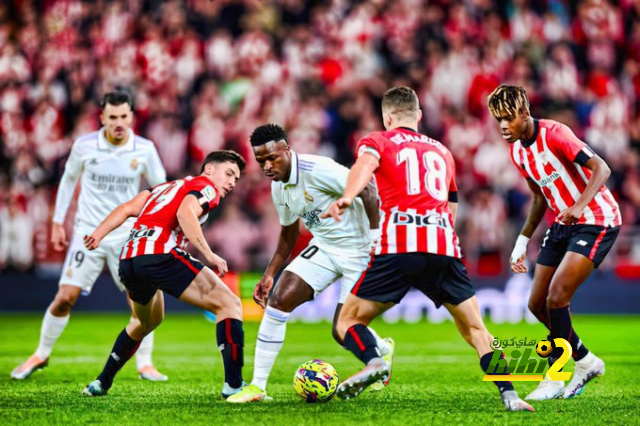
{"x": 508, "y": 100}
{"x": 400, "y": 101}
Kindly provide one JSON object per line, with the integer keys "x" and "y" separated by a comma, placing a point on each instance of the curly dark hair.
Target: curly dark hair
{"x": 267, "y": 133}
{"x": 508, "y": 100}
{"x": 224, "y": 156}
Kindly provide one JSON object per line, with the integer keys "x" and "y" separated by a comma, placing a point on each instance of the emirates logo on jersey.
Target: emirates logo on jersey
{"x": 134, "y": 164}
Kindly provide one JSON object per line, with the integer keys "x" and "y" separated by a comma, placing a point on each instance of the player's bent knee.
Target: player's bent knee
{"x": 64, "y": 301}
{"x": 280, "y": 303}
{"x": 558, "y": 300}
{"x": 229, "y": 306}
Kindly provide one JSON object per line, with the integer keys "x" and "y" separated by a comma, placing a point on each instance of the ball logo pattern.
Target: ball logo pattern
{"x": 316, "y": 381}
{"x": 544, "y": 348}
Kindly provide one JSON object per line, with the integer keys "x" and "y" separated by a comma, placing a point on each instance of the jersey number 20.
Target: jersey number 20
{"x": 434, "y": 177}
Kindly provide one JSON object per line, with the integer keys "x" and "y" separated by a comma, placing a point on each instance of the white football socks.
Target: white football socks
{"x": 383, "y": 345}
{"x": 143, "y": 355}
{"x": 52, "y": 328}
{"x": 273, "y": 328}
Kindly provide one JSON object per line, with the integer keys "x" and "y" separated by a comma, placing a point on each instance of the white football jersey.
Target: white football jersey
{"x": 316, "y": 182}
{"x": 109, "y": 176}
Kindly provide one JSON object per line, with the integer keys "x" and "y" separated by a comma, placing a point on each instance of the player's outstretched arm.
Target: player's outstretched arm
{"x": 286, "y": 242}
{"x": 601, "y": 173}
{"x": 538, "y": 209}
{"x": 116, "y": 218}
{"x": 187, "y": 215}
{"x": 359, "y": 177}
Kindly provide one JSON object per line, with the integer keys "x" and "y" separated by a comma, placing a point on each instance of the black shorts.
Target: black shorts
{"x": 172, "y": 273}
{"x": 591, "y": 241}
{"x": 390, "y": 276}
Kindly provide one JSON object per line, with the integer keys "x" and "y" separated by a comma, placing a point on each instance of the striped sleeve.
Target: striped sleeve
{"x": 207, "y": 196}
{"x": 372, "y": 144}
{"x": 564, "y": 143}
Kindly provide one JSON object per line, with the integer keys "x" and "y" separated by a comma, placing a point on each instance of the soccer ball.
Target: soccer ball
{"x": 316, "y": 381}
{"x": 544, "y": 348}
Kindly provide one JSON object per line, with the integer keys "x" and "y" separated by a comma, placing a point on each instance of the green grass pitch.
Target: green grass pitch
{"x": 436, "y": 377}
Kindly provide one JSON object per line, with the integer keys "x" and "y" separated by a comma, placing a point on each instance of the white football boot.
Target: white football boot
{"x": 512, "y": 402}
{"x": 586, "y": 369}
{"x": 547, "y": 389}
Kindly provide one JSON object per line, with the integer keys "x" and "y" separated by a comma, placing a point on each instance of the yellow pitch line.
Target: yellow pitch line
{"x": 513, "y": 378}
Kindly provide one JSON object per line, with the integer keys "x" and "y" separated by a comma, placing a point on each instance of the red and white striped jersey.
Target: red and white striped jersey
{"x": 554, "y": 159}
{"x": 157, "y": 231}
{"x": 416, "y": 180}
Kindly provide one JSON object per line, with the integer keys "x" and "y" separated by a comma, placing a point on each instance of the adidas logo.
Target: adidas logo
{"x": 221, "y": 347}
{"x": 582, "y": 243}
{"x": 115, "y": 356}
{"x": 93, "y": 161}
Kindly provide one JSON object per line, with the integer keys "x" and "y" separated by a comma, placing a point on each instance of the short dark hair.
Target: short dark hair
{"x": 267, "y": 133}
{"x": 224, "y": 156}
{"x": 116, "y": 98}
{"x": 400, "y": 100}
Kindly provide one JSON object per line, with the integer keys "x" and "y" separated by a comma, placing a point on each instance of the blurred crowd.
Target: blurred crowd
{"x": 205, "y": 73}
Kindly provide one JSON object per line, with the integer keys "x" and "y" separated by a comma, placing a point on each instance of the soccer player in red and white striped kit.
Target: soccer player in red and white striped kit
{"x": 153, "y": 261}
{"x": 418, "y": 246}
{"x": 567, "y": 176}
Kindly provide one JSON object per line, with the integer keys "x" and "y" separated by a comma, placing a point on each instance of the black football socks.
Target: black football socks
{"x": 560, "y": 320}
{"x": 231, "y": 344}
{"x": 122, "y": 351}
{"x": 485, "y": 362}
{"x": 361, "y": 342}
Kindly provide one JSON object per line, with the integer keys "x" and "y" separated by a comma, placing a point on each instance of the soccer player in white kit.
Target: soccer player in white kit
{"x": 302, "y": 187}
{"x": 109, "y": 164}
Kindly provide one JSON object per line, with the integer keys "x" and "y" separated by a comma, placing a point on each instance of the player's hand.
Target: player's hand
{"x": 571, "y": 215}
{"x": 518, "y": 255}
{"x": 262, "y": 290}
{"x": 92, "y": 241}
{"x": 518, "y": 266}
{"x": 58, "y": 237}
{"x": 218, "y": 263}
{"x": 337, "y": 208}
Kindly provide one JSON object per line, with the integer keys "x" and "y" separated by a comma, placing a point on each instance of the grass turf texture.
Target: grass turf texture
{"x": 436, "y": 377}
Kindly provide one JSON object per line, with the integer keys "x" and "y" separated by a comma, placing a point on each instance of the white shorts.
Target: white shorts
{"x": 82, "y": 267}
{"x": 320, "y": 269}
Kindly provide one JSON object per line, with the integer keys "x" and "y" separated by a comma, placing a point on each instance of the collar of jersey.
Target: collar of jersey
{"x": 294, "y": 176}
{"x": 536, "y": 127}
{"x": 105, "y": 145}
{"x": 408, "y": 129}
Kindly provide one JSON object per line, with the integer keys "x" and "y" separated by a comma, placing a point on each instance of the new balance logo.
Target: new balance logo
{"x": 115, "y": 356}
{"x": 582, "y": 243}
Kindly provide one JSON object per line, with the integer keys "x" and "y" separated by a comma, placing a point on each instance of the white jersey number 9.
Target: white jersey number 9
{"x": 435, "y": 173}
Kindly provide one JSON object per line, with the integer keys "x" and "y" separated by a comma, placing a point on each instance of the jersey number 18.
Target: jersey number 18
{"x": 434, "y": 176}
